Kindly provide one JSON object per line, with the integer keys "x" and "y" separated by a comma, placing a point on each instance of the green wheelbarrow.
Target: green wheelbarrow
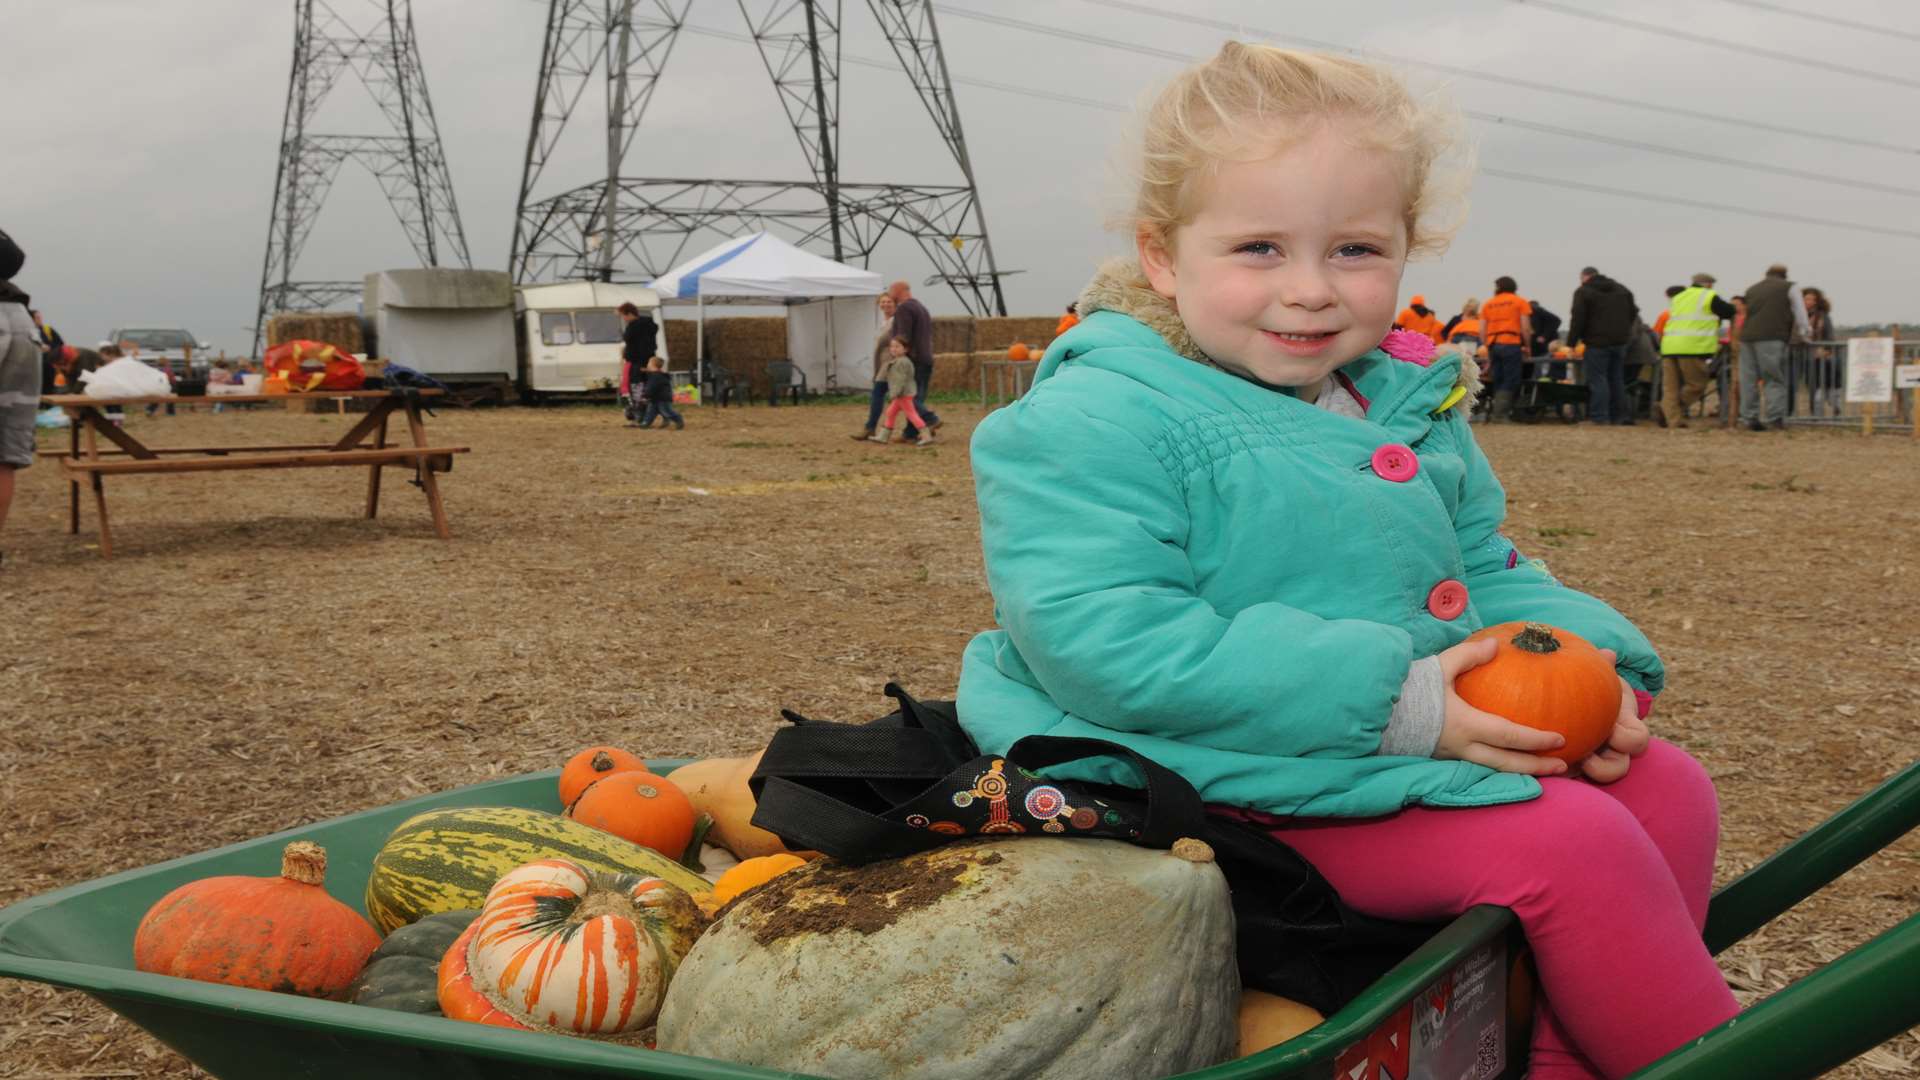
{"x": 1457, "y": 1007}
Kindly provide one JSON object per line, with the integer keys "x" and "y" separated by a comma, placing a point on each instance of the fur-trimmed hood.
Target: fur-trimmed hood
{"x": 1119, "y": 285}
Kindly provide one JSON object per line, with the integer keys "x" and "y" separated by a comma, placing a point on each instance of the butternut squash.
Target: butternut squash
{"x": 718, "y": 788}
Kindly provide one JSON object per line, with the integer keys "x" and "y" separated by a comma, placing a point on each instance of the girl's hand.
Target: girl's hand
{"x": 1628, "y": 741}
{"x": 1468, "y": 734}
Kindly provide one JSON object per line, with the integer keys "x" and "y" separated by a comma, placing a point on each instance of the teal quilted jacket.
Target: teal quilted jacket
{"x": 1234, "y": 582}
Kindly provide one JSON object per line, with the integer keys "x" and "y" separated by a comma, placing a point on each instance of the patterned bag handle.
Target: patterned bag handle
{"x": 856, "y": 791}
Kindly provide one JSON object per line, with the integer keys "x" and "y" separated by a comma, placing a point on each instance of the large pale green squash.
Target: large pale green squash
{"x": 1034, "y": 958}
{"x": 446, "y": 860}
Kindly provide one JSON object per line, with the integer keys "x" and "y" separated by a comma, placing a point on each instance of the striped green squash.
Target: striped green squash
{"x": 446, "y": 860}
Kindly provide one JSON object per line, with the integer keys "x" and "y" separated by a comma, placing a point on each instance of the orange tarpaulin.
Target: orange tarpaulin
{"x": 300, "y": 366}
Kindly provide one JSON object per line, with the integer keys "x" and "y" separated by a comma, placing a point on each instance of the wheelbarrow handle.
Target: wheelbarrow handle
{"x": 1803, "y": 867}
{"x": 1833, "y": 1015}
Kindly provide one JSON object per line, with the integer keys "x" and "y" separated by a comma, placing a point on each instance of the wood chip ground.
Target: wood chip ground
{"x": 257, "y": 656}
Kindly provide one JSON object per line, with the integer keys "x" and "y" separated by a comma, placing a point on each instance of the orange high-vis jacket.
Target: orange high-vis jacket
{"x": 1428, "y": 324}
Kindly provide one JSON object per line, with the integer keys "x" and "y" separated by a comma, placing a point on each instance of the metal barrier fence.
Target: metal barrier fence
{"x": 1816, "y": 388}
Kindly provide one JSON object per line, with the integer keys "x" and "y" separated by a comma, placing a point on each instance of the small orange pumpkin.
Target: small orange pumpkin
{"x": 583, "y": 768}
{"x": 1018, "y": 351}
{"x": 753, "y": 873}
{"x": 1267, "y": 1020}
{"x": 638, "y": 806}
{"x": 1549, "y": 679}
{"x": 280, "y": 933}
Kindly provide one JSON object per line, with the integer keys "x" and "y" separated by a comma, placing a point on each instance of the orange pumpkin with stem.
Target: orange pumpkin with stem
{"x": 591, "y": 764}
{"x": 1549, "y": 679}
{"x": 280, "y": 933}
{"x": 1019, "y": 351}
{"x": 638, "y": 806}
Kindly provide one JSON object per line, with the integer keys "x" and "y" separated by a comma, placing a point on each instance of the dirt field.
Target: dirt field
{"x": 257, "y": 656}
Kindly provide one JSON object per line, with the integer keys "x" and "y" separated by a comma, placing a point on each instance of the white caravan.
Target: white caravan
{"x": 569, "y": 335}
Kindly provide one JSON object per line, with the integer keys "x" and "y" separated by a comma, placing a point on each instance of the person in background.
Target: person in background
{"x": 1464, "y": 329}
{"x": 1775, "y": 312}
{"x": 912, "y": 321}
{"x": 1068, "y": 321}
{"x": 1603, "y": 318}
{"x": 658, "y": 390}
{"x": 20, "y": 361}
{"x": 639, "y": 340}
{"x": 52, "y": 349}
{"x": 1660, "y": 321}
{"x": 1420, "y": 319}
{"x": 1690, "y": 335}
{"x": 900, "y": 394}
{"x": 1643, "y": 359}
{"x": 220, "y": 374}
{"x": 1507, "y": 319}
{"x": 877, "y": 399}
{"x": 1823, "y": 374}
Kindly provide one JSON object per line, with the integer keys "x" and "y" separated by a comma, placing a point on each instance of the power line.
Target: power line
{"x": 1695, "y": 38}
{"x": 894, "y": 66}
{"x": 1700, "y": 204}
{"x": 1156, "y": 52}
{"x": 1242, "y": 30}
{"x": 1575, "y": 185}
{"x": 1826, "y": 20}
{"x": 1695, "y": 155}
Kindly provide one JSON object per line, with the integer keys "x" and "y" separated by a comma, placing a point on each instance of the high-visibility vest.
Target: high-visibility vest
{"x": 1466, "y": 328}
{"x": 1692, "y": 327}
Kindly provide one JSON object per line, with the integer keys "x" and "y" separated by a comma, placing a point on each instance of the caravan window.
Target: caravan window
{"x": 556, "y": 328}
{"x": 598, "y": 327}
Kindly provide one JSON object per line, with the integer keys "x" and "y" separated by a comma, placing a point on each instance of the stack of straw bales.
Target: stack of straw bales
{"x": 341, "y": 329}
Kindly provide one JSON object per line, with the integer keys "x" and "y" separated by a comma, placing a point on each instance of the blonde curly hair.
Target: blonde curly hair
{"x": 1249, "y": 101}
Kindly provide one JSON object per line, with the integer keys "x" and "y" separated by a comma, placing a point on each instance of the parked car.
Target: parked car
{"x": 173, "y": 349}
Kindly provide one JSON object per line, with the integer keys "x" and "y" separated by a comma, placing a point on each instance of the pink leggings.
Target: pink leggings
{"x": 903, "y": 404}
{"x": 1610, "y": 883}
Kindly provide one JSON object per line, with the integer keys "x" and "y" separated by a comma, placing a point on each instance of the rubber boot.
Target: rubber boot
{"x": 1503, "y": 406}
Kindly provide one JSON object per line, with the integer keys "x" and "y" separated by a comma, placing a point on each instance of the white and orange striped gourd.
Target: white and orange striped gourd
{"x": 562, "y": 947}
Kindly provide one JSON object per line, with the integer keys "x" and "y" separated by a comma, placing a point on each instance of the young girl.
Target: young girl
{"x": 1240, "y": 527}
{"x": 900, "y": 389}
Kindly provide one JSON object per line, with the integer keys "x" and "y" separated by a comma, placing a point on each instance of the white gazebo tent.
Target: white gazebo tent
{"x": 832, "y": 319}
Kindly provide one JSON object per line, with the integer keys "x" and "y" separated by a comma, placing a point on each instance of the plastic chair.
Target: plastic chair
{"x": 728, "y": 387}
{"x": 780, "y": 374}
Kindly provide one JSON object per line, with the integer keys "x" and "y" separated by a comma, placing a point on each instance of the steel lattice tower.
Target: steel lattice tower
{"x": 408, "y": 163}
{"x": 624, "y": 226}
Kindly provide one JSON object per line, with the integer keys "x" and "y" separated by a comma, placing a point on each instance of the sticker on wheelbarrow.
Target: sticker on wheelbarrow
{"x": 1454, "y": 1029}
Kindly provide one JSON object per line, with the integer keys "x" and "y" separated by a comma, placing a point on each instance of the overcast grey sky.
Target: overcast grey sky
{"x": 140, "y": 140}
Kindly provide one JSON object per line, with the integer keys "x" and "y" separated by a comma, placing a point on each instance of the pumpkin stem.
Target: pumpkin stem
{"x": 1194, "y": 851}
{"x": 601, "y": 762}
{"x": 1536, "y": 638}
{"x": 305, "y": 862}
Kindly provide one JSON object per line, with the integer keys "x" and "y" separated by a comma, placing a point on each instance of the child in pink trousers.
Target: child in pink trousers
{"x": 1240, "y": 525}
{"x": 900, "y": 389}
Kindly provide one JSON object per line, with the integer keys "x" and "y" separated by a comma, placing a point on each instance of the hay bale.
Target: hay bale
{"x": 341, "y": 329}
{"x": 995, "y": 334}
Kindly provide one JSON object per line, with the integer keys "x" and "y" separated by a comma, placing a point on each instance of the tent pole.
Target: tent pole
{"x": 700, "y": 344}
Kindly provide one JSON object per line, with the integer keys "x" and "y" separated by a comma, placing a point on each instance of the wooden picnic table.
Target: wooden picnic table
{"x": 130, "y": 456}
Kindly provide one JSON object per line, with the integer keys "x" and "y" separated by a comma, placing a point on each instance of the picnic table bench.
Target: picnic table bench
{"x": 84, "y": 459}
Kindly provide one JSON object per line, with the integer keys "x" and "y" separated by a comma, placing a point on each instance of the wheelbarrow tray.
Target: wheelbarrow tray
{"x": 82, "y": 937}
